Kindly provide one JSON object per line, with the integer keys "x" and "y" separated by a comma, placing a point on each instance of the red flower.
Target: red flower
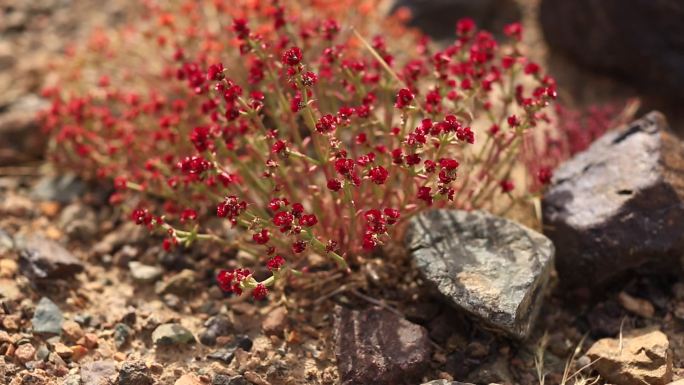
{"x": 142, "y": 217}
{"x": 514, "y": 30}
{"x": 120, "y": 183}
{"x": 229, "y": 280}
{"x": 327, "y": 123}
{"x": 531, "y": 68}
{"x": 465, "y": 26}
{"x": 200, "y": 138}
{"x": 449, "y": 164}
{"x": 308, "y": 220}
{"x": 259, "y": 292}
{"x": 261, "y": 237}
{"x": 344, "y": 166}
{"x": 276, "y": 203}
{"x": 404, "y": 98}
{"x": 240, "y": 27}
{"x": 279, "y": 147}
{"x": 215, "y": 72}
{"x": 309, "y": 79}
{"x": 334, "y": 184}
{"x": 544, "y": 175}
{"x": 275, "y": 263}
{"x": 424, "y": 195}
{"x": 298, "y": 247}
{"x": 231, "y": 208}
{"x": 506, "y": 185}
{"x": 392, "y": 215}
{"x": 513, "y": 121}
{"x": 193, "y": 165}
{"x": 292, "y": 56}
{"x": 283, "y": 219}
{"x": 378, "y": 175}
{"x": 188, "y": 215}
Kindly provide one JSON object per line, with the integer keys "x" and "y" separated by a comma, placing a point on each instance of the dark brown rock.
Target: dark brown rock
{"x": 216, "y": 326}
{"x": 438, "y": 17}
{"x": 18, "y": 128}
{"x": 619, "y": 205}
{"x": 490, "y": 267}
{"x": 135, "y": 373}
{"x": 377, "y": 346}
{"x": 642, "y": 41}
{"x": 42, "y": 258}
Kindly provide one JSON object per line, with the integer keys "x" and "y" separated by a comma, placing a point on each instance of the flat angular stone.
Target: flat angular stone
{"x": 619, "y": 205}
{"x": 493, "y": 268}
{"x": 99, "y": 372}
{"x": 376, "y": 346}
{"x": 47, "y": 318}
{"x": 42, "y": 258}
{"x": 638, "y": 357}
{"x": 144, "y": 273}
{"x": 172, "y": 334}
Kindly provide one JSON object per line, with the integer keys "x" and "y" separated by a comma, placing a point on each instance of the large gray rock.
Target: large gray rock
{"x": 619, "y": 205}
{"x": 41, "y": 258}
{"x": 378, "y": 347}
{"x": 493, "y": 268}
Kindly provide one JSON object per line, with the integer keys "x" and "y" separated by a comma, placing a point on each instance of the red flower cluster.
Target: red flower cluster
{"x": 309, "y": 140}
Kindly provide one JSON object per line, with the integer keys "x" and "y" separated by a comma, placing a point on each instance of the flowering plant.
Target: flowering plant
{"x": 298, "y": 130}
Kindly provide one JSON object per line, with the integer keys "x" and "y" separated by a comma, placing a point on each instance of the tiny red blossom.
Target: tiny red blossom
{"x": 292, "y": 56}
{"x": 259, "y": 292}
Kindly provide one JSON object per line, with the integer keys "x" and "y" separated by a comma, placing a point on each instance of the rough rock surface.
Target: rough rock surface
{"x": 45, "y": 259}
{"x": 642, "y": 357}
{"x": 135, "y": 373}
{"x": 491, "y": 267}
{"x": 379, "y": 347}
{"x": 78, "y": 221}
{"x": 144, "y": 273}
{"x": 172, "y": 334}
{"x": 18, "y": 125}
{"x": 60, "y": 188}
{"x": 438, "y": 17}
{"x": 619, "y": 205}
{"x": 216, "y": 326}
{"x": 227, "y": 353}
{"x": 47, "y": 318}
{"x": 643, "y": 42}
{"x": 221, "y": 379}
{"x": 98, "y": 373}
